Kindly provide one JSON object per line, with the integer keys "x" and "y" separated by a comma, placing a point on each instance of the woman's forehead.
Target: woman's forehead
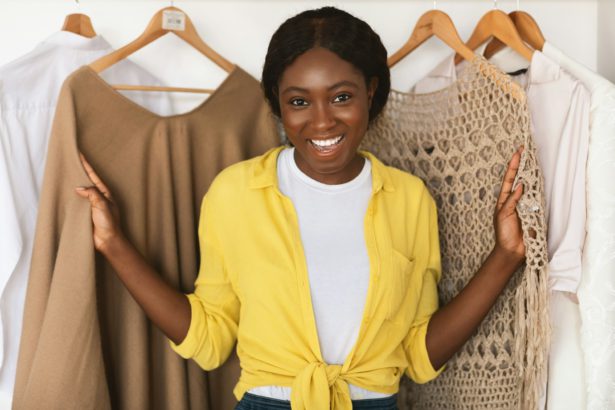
{"x": 320, "y": 68}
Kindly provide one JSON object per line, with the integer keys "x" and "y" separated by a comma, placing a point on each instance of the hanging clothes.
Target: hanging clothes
{"x": 596, "y": 292}
{"x": 86, "y": 343}
{"x": 559, "y": 112}
{"x": 459, "y": 140}
{"x": 559, "y": 107}
{"x": 29, "y": 88}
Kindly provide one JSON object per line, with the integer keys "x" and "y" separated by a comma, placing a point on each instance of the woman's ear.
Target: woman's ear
{"x": 371, "y": 90}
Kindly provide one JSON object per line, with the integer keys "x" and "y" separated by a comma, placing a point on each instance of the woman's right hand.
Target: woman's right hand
{"x": 105, "y": 215}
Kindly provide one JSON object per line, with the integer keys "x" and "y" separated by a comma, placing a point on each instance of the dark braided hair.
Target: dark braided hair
{"x": 350, "y": 38}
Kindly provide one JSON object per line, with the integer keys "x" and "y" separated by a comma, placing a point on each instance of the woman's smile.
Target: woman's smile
{"x": 327, "y": 146}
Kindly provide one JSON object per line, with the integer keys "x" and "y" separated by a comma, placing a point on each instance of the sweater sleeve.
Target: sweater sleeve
{"x": 214, "y": 303}
{"x": 420, "y": 369}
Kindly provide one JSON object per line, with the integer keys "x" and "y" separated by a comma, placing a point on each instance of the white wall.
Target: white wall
{"x": 240, "y": 30}
{"x": 606, "y": 38}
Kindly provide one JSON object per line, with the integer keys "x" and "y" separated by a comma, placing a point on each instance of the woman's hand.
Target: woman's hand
{"x": 508, "y": 232}
{"x": 105, "y": 215}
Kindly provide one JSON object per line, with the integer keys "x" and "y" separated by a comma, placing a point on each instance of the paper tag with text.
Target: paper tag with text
{"x": 173, "y": 20}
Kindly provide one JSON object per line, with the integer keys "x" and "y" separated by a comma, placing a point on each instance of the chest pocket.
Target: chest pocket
{"x": 399, "y": 280}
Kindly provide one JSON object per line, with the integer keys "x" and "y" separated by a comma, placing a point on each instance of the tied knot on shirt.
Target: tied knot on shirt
{"x": 320, "y": 386}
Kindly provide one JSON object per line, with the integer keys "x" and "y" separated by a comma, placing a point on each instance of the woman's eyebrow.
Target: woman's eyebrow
{"x": 345, "y": 83}
{"x": 296, "y": 89}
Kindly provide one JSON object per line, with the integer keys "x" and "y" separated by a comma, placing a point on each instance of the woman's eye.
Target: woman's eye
{"x": 298, "y": 102}
{"x": 341, "y": 97}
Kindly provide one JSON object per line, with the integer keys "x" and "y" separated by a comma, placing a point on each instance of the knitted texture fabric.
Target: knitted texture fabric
{"x": 459, "y": 141}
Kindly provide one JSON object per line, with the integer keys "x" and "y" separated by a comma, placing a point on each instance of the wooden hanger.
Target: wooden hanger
{"x": 433, "y": 23}
{"x": 439, "y": 24}
{"x": 527, "y": 28}
{"x": 79, "y": 24}
{"x": 154, "y": 31}
{"x": 497, "y": 24}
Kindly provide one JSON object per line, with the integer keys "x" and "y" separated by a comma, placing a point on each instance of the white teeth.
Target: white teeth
{"x": 327, "y": 143}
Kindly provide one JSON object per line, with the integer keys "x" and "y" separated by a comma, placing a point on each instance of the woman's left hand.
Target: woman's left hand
{"x": 508, "y": 232}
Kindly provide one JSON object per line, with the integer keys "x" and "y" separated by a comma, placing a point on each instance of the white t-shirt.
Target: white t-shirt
{"x": 331, "y": 224}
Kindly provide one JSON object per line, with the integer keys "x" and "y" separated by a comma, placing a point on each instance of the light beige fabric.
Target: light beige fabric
{"x": 559, "y": 108}
{"x": 459, "y": 140}
{"x": 86, "y": 344}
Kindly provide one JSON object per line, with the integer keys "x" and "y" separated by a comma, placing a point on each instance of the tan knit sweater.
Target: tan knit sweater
{"x": 86, "y": 344}
{"x": 459, "y": 141}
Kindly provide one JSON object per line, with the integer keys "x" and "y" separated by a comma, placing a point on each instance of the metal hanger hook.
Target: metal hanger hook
{"x": 518, "y": 8}
{"x": 435, "y": 4}
{"x": 495, "y": 4}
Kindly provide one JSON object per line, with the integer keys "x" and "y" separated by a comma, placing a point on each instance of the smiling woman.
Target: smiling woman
{"x": 318, "y": 260}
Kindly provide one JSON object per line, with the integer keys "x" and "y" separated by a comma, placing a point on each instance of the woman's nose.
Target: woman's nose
{"x": 323, "y": 117}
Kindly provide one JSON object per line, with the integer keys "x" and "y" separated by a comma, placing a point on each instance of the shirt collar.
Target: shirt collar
{"x": 264, "y": 171}
{"x": 541, "y": 69}
{"x": 75, "y": 41}
{"x": 446, "y": 69}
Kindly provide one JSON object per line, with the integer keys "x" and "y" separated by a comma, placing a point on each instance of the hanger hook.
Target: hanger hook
{"x": 518, "y": 8}
{"x": 495, "y": 4}
{"x": 435, "y": 4}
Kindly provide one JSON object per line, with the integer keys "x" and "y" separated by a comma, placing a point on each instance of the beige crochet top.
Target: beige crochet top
{"x": 459, "y": 141}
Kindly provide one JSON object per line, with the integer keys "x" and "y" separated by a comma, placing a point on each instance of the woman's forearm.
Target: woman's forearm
{"x": 453, "y": 324}
{"x": 166, "y": 307}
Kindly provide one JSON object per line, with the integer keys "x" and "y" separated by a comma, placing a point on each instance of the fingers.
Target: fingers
{"x": 92, "y": 194}
{"x": 511, "y": 202}
{"x": 509, "y": 178}
{"x": 94, "y": 177}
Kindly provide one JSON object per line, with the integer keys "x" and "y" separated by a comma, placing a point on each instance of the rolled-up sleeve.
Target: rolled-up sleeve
{"x": 420, "y": 369}
{"x": 214, "y": 304}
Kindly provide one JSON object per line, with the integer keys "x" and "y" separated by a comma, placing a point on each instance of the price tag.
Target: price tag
{"x": 173, "y": 20}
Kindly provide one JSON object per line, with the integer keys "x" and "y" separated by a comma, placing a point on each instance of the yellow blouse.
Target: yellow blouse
{"x": 253, "y": 287}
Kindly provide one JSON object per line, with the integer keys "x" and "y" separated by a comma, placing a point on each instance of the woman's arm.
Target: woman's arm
{"x": 452, "y": 325}
{"x": 168, "y": 308}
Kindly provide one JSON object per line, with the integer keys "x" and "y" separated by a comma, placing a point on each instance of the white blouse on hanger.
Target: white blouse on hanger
{"x": 597, "y": 289}
{"x": 559, "y": 105}
{"x": 29, "y": 87}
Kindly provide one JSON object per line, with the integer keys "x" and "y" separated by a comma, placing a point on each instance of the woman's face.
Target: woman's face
{"x": 324, "y": 105}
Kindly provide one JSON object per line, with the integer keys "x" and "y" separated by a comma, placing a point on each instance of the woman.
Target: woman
{"x": 319, "y": 260}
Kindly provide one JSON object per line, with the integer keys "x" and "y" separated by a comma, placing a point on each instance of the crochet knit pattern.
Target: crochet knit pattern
{"x": 459, "y": 141}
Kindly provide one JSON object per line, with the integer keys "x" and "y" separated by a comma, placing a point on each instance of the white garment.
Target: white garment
{"x": 331, "y": 220}
{"x": 597, "y": 289}
{"x": 565, "y": 391}
{"x": 29, "y": 87}
{"x": 559, "y": 107}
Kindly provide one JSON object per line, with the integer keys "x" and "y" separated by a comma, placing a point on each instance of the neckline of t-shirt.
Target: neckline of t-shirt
{"x": 127, "y": 101}
{"x": 288, "y": 155}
